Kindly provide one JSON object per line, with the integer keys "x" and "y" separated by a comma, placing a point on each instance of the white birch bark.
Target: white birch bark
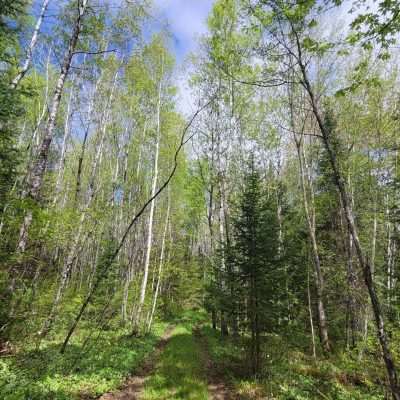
{"x": 32, "y": 44}
{"x": 160, "y": 267}
{"x": 305, "y": 182}
{"x": 151, "y": 213}
{"x": 130, "y": 273}
{"x": 38, "y": 169}
{"x": 77, "y": 241}
{"x": 67, "y": 131}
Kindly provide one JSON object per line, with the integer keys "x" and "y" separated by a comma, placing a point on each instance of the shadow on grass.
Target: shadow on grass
{"x": 180, "y": 373}
{"x": 229, "y": 354}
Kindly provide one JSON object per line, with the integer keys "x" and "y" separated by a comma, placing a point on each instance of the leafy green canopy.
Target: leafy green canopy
{"x": 10, "y": 107}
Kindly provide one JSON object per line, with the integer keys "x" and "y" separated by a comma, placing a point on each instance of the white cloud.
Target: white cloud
{"x": 187, "y": 21}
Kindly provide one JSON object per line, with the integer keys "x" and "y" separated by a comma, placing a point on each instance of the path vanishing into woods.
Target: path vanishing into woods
{"x": 179, "y": 368}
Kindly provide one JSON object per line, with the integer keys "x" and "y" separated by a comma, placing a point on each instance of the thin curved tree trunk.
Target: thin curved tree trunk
{"x": 77, "y": 241}
{"x": 135, "y": 218}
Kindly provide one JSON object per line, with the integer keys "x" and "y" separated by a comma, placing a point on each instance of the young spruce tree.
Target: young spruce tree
{"x": 254, "y": 261}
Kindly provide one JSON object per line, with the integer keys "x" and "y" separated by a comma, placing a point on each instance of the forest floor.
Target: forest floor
{"x": 88, "y": 368}
{"x": 193, "y": 362}
{"x": 184, "y": 359}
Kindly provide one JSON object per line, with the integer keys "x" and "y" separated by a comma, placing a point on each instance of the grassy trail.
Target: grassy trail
{"x": 177, "y": 370}
{"x": 180, "y": 373}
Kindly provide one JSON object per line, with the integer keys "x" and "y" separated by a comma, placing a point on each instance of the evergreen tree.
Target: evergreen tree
{"x": 254, "y": 260}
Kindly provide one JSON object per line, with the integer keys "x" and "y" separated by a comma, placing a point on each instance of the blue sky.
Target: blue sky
{"x": 187, "y": 21}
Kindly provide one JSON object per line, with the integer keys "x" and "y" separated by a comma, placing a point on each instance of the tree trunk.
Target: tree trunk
{"x": 77, "y": 240}
{"x": 31, "y": 46}
{"x": 67, "y": 131}
{"x": 351, "y": 282}
{"x": 389, "y": 256}
{"x": 310, "y": 217}
{"x": 310, "y": 314}
{"x": 348, "y": 212}
{"x": 160, "y": 267}
{"x": 214, "y": 319}
{"x": 39, "y": 167}
{"x": 67, "y": 267}
{"x": 35, "y": 180}
{"x": 34, "y": 140}
{"x": 143, "y": 287}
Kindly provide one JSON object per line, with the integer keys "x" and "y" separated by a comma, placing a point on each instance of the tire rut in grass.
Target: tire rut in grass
{"x": 217, "y": 387}
{"x": 134, "y": 385}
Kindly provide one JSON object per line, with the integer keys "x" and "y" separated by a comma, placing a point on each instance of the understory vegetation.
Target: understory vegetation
{"x": 246, "y": 197}
{"x": 291, "y": 373}
{"x": 87, "y": 370}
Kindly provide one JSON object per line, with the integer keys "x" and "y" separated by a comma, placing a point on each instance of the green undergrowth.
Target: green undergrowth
{"x": 87, "y": 369}
{"x": 180, "y": 372}
{"x": 290, "y": 374}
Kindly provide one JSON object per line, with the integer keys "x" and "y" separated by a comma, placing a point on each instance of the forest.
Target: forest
{"x": 223, "y": 226}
